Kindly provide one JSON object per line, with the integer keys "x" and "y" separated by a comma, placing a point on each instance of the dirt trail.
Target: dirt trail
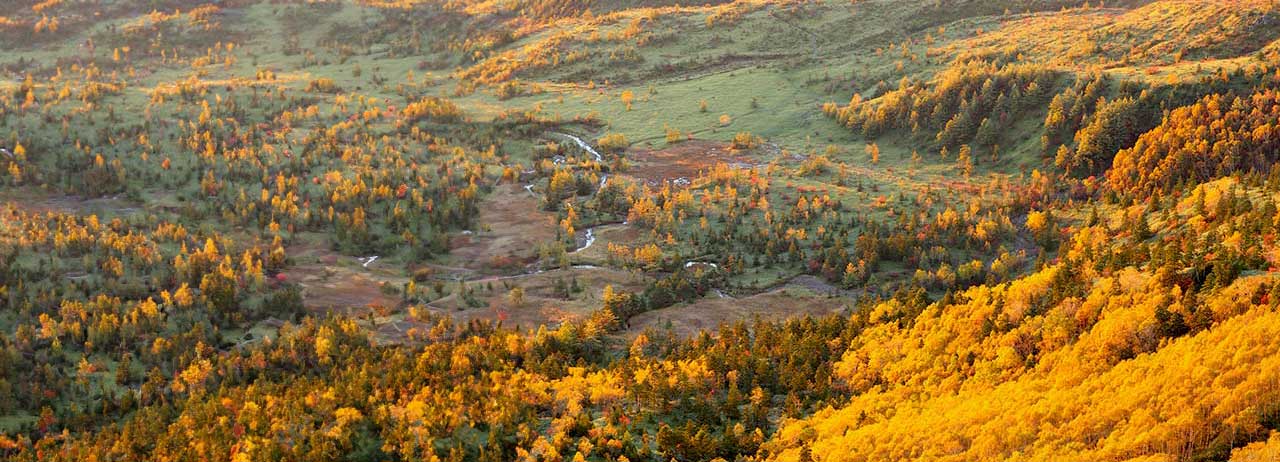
{"x": 40, "y": 201}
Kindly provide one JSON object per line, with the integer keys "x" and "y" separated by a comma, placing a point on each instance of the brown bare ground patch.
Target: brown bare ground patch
{"x": 327, "y": 288}
{"x": 335, "y": 282}
{"x": 711, "y": 312}
{"x": 683, "y": 160}
{"x": 395, "y": 329}
{"x": 541, "y": 305}
{"x": 345, "y": 290}
{"x": 34, "y": 200}
{"x": 511, "y": 226}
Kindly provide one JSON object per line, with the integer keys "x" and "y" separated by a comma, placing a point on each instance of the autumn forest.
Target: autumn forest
{"x": 640, "y": 230}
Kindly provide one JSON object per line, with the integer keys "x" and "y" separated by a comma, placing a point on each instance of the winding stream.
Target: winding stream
{"x": 590, "y": 237}
{"x": 583, "y": 145}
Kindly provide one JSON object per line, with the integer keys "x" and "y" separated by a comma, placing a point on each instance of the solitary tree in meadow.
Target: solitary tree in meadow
{"x": 627, "y": 97}
{"x": 516, "y": 295}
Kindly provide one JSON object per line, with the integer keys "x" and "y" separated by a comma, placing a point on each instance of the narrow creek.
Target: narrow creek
{"x": 589, "y": 234}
